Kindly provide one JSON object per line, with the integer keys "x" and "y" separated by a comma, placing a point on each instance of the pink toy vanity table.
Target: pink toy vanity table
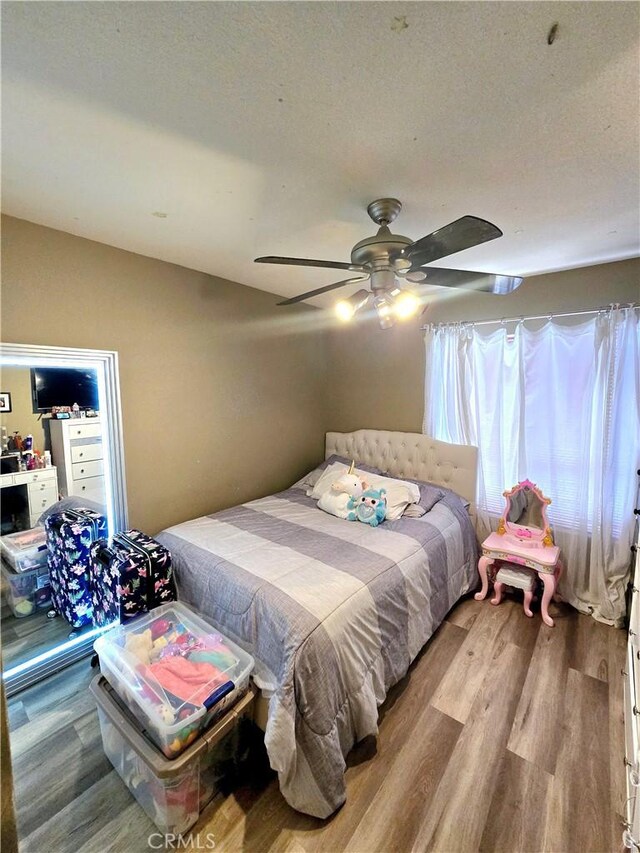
{"x": 523, "y": 538}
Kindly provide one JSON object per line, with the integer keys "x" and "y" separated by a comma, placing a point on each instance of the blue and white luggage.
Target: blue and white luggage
{"x": 129, "y": 576}
{"x": 70, "y": 535}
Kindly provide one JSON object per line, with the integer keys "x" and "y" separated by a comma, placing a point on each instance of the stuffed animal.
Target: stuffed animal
{"x": 22, "y": 605}
{"x": 347, "y": 486}
{"x": 166, "y": 714}
{"x": 159, "y": 628}
{"x": 158, "y": 645}
{"x": 369, "y": 508}
{"x": 139, "y": 645}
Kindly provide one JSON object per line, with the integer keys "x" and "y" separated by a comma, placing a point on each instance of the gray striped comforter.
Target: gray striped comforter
{"x": 333, "y": 611}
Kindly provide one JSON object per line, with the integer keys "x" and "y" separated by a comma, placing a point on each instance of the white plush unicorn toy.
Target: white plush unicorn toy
{"x": 335, "y": 501}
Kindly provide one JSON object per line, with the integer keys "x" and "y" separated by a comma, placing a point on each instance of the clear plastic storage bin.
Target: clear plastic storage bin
{"x": 27, "y": 591}
{"x": 25, "y": 550}
{"x": 175, "y": 672}
{"x": 172, "y": 793}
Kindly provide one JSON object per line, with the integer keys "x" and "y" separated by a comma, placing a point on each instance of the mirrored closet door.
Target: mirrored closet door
{"x": 61, "y": 433}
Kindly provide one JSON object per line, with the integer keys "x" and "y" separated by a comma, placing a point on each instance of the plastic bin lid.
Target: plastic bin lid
{"x": 163, "y": 683}
{"x": 25, "y": 540}
{"x": 128, "y": 728}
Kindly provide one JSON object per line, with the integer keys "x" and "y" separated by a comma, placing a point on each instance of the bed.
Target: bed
{"x": 334, "y": 612}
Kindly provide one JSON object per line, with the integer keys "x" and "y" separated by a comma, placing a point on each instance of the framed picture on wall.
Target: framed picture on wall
{"x": 5, "y": 402}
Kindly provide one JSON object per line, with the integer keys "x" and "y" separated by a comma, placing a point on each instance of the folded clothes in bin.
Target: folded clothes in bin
{"x": 189, "y": 680}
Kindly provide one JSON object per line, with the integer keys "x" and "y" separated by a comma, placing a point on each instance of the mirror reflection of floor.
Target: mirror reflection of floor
{"x": 25, "y": 637}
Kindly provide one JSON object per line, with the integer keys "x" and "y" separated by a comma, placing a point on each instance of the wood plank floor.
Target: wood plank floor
{"x": 24, "y": 638}
{"x": 505, "y": 735}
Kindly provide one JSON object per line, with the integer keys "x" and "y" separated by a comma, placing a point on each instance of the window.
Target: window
{"x": 559, "y": 405}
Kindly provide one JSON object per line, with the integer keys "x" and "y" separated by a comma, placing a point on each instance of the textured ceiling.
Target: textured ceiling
{"x": 209, "y": 133}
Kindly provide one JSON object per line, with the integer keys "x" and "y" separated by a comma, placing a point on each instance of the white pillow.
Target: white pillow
{"x": 399, "y": 493}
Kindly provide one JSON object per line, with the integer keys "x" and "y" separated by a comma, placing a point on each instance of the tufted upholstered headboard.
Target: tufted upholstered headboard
{"x": 411, "y": 454}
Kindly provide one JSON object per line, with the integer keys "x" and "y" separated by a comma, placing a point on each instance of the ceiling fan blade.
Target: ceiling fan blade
{"x": 462, "y": 234}
{"x": 308, "y": 262}
{"x": 324, "y": 289}
{"x": 483, "y": 281}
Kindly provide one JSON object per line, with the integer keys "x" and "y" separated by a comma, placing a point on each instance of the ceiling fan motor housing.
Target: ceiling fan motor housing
{"x": 375, "y": 251}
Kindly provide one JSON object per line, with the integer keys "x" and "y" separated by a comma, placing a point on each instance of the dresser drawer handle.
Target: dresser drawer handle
{"x": 624, "y": 672}
{"x": 82, "y": 470}
{"x": 635, "y": 710}
{"x": 632, "y": 633}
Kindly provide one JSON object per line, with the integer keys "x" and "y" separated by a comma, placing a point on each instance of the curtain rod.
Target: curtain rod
{"x": 521, "y": 319}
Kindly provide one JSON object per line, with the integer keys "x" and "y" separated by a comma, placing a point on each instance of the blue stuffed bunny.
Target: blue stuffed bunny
{"x": 369, "y": 508}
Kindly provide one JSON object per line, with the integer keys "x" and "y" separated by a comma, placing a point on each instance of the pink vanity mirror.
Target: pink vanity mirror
{"x": 522, "y": 544}
{"x": 525, "y": 516}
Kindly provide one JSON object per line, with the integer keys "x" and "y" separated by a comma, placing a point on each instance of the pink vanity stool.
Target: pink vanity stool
{"x": 523, "y": 538}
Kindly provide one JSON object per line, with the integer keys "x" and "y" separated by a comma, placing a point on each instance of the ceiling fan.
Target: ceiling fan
{"x": 390, "y": 261}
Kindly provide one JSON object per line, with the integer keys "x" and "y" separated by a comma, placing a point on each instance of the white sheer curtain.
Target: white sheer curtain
{"x": 559, "y": 404}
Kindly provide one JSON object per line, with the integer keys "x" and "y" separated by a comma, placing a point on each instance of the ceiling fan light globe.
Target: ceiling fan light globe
{"x": 344, "y": 310}
{"x": 360, "y": 298}
{"x": 384, "y": 306}
{"x": 406, "y": 305}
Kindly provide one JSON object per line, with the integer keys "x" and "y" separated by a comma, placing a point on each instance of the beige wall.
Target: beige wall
{"x": 377, "y": 376}
{"x": 217, "y": 407}
{"x": 223, "y": 397}
{"x": 17, "y": 381}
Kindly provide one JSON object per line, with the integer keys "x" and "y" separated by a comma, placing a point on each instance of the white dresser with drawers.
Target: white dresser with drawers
{"x": 77, "y": 452}
{"x": 40, "y": 487}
